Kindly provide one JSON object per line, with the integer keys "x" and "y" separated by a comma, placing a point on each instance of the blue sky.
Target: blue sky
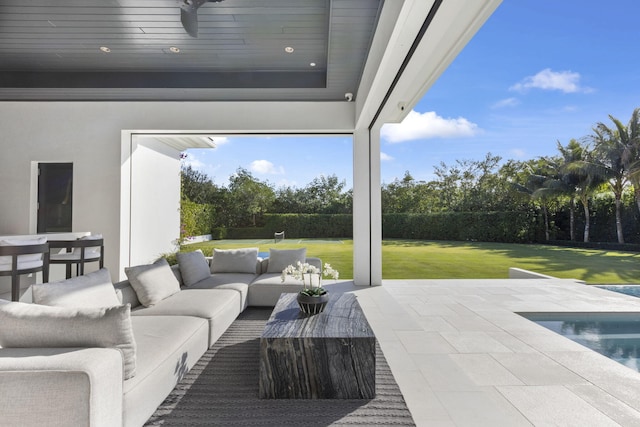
{"x": 538, "y": 72}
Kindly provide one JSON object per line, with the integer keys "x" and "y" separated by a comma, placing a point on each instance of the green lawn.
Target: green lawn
{"x": 417, "y": 259}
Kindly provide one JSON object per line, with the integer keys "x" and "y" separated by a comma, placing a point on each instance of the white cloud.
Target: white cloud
{"x": 518, "y": 153}
{"x": 508, "y": 102}
{"x": 190, "y": 160}
{"x": 385, "y": 157}
{"x": 547, "y": 79}
{"x": 265, "y": 167}
{"x": 428, "y": 125}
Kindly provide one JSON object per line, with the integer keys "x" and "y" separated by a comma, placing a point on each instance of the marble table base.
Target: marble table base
{"x": 330, "y": 355}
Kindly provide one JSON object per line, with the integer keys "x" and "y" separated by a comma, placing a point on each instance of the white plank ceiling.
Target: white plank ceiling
{"x": 50, "y": 50}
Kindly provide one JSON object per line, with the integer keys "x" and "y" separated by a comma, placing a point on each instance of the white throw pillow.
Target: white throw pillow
{"x": 279, "y": 259}
{"x": 234, "y": 260}
{"x": 29, "y": 258}
{"x": 153, "y": 282}
{"x": 91, "y": 290}
{"x": 33, "y": 325}
{"x": 194, "y": 267}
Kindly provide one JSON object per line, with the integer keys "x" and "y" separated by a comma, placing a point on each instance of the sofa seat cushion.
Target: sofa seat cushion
{"x": 219, "y": 307}
{"x": 237, "y": 281}
{"x": 168, "y": 346}
{"x": 266, "y": 289}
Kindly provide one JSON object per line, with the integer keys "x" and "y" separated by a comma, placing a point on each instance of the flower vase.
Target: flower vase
{"x": 312, "y": 304}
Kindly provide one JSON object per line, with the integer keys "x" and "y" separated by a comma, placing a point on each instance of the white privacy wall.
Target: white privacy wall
{"x": 90, "y": 134}
{"x": 155, "y": 200}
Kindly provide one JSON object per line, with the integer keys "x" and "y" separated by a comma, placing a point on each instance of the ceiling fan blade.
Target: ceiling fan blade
{"x": 189, "y": 14}
{"x": 189, "y": 19}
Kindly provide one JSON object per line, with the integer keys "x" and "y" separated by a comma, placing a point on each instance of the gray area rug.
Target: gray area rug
{"x": 222, "y": 390}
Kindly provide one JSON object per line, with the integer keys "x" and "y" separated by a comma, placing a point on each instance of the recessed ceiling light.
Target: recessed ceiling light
{"x": 174, "y": 49}
{"x": 288, "y": 49}
{"x": 105, "y": 49}
{"x": 312, "y": 64}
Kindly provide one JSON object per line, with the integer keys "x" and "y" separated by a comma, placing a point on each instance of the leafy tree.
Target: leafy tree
{"x": 472, "y": 185}
{"x": 248, "y": 198}
{"x": 325, "y": 194}
{"x": 288, "y": 200}
{"x": 196, "y": 186}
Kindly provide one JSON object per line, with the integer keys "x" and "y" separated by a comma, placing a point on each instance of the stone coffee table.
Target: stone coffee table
{"x": 331, "y": 355}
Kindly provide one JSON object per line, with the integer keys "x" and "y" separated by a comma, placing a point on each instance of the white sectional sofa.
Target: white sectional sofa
{"x": 48, "y": 378}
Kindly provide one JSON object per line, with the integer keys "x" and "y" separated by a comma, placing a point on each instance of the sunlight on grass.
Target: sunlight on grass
{"x": 417, "y": 259}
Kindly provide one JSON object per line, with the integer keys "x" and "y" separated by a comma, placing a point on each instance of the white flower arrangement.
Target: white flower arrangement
{"x": 307, "y": 271}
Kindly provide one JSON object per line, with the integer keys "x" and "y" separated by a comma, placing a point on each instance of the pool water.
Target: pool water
{"x": 633, "y": 290}
{"x": 614, "y": 335}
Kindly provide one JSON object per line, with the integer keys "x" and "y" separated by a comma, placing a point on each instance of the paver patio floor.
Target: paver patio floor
{"x": 463, "y": 357}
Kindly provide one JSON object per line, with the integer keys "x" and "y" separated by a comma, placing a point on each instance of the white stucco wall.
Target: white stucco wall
{"x": 155, "y": 200}
{"x": 89, "y": 134}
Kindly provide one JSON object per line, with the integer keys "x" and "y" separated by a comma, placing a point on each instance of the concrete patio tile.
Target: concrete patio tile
{"x": 436, "y": 299}
{"x": 508, "y": 320}
{"x": 474, "y": 342}
{"x": 554, "y": 405}
{"x": 427, "y": 309}
{"x": 484, "y": 370}
{"x": 537, "y": 369}
{"x": 546, "y": 340}
{"x": 481, "y": 407}
{"x": 470, "y": 346}
{"x": 620, "y": 412}
{"x": 397, "y": 355}
{"x": 435, "y": 324}
{"x": 460, "y": 309}
{"x": 384, "y": 333}
{"x": 511, "y": 342}
{"x": 379, "y": 320}
{"x": 423, "y": 403}
{"x": 442, "y": 373}
{"x": 612, "y": 377}
{"x": 421, "y": 342}
{"x": 471, "y": 323}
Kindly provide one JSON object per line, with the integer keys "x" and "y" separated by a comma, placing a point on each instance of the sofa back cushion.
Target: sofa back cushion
{"x": 193, "y": 267}
{"x": 90, "y": 290}
{"x": 279, "y": 259}
{"x": 126, "y": 294}
{"x": 34, "y": 325}
{"x": 153, "y": 282}
{"x": 244, "y": 260}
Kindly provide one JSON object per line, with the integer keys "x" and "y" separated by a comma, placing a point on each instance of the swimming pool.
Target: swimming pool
{"x": 615, "y": 335}
{"x": 633, "y": 290}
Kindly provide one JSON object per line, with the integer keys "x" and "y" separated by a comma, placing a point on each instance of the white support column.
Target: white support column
{"x": 367, "y": 212}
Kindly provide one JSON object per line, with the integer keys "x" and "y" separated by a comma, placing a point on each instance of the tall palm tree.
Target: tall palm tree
{"x": 538, "y": 173}
{"x": 609, "y": 164}
{"x": 575, "y": 180}
{"x": 627, "y": 138}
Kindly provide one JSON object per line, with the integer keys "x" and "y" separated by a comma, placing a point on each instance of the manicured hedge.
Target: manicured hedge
{"x": 507, "y": 227}
{"x": 195, "y": 219}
